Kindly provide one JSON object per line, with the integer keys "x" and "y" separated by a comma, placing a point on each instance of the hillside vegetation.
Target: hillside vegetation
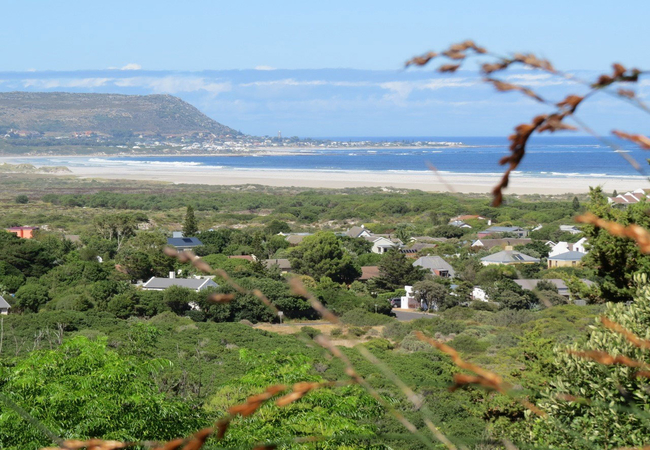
{"x": 110, "y": 114}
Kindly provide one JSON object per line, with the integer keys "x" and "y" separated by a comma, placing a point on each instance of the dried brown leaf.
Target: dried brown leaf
{"x": 570, "y": 103}
{"x": 421, "y": 60}
{"x": 448, "y": 68}
{"x": 639, "y": 234}
{"x": 639, "y": 139}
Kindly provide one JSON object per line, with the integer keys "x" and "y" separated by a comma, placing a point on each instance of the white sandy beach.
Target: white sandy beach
{"x": 426, "y": 181}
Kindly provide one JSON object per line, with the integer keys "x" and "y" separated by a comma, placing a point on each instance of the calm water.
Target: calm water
{"x": 546, "y": 156}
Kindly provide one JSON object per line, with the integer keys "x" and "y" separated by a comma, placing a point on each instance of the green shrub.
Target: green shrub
{"x": 310, "y": 331}
{"x": 356, "y": 331}
{"x": 458, "y": 313}
{"x": 468, "y": 344}
{"x": 336, "y": 332}
{"x": 412, "y": 344}
{"x": 396, "y": 330}
{"x": 510, "y": 317}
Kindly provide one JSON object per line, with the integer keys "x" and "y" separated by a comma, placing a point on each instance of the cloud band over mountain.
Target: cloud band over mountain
{"x": 343, "y": 102}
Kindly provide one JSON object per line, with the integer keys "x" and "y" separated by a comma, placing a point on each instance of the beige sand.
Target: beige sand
{"x": 465, "y": 183}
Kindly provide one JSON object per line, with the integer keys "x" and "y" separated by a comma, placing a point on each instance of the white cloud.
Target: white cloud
{"x": 173, "y": 84}
{"x": 264, "y": 68}
{"x": 131, "y": 66}
{"x": 65, "y": 83}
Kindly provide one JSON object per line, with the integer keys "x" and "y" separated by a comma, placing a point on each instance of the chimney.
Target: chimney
{"x": 172, "y": 274}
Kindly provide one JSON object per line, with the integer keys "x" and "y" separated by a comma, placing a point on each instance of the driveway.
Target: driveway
{"x": 404, "y": 315}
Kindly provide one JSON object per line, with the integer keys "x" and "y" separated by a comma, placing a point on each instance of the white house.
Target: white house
{"x": 479, "y": 294}
{"x": 196, "y": 284}
{"x": 570, "y": 229}
{"x": 381, "y": 244}
{"x": 408, "y": 301}
{"x": 563, "y": 247}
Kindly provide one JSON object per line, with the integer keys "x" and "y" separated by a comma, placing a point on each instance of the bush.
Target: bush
{"x": 336, "y": 332}
{"x": 22, "y": 199}
{"x": 310, "y": 331}
{"x": 356, "y": 331}
{"x": 468, "y": 344}
{"x": 362, "y": 318}
{"x": 396, "y": 330}
{"x": 484, "y": 306}
{"x": 510, "y": 317}
{"x": 412, "y": 344}
{"x": 458, "y": 313}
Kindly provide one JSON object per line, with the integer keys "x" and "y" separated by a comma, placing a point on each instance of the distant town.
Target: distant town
{"x": 90, "y": 142}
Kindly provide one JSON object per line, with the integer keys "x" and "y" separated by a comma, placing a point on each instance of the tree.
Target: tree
{"x": 190, "y": 228}
{"x": 32, "y": 296}
{"x": 117, "y": 226}
{"x": 85, "y": 390}
{"x": 22, "y": 199}
{"x": 447, "y": 231}
{"x": 397, "y": 271}
{"x": 576, "y": 204}
{"x": 322, "y": 255}
{"x": 613, "y": 412}
{"x": 403, "y": 232}
{"x": 431, "y": 293}
{"x": 616, "y": 260}
{"x": 276, "y": 227}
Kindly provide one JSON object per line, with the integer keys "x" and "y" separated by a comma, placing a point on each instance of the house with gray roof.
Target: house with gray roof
{"x": 357, "y": 232}
{"x": 296, "y": 238}
{"x": 508, "y": 257}
{"x": 566, "y": 259}
{"x": 283, "y": 264}
{"x": 516, "y": 231}
{"x": 196, "y": 284}
{"x": 436, "y": 265}
{"x": 184, "y": 243}
{"x": 487, "y": 244}
{"x": 4, "y": 306}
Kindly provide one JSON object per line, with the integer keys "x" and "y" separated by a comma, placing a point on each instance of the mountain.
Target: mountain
{"x": 110, "y": 114}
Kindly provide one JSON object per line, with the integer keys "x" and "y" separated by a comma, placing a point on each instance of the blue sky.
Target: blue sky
{"x": 204, "y": 52}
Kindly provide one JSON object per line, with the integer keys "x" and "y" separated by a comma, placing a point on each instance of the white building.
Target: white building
{"x": 563, "y": 247}
{"x": 479, "y": 294}
{"x": 4, "y": 306}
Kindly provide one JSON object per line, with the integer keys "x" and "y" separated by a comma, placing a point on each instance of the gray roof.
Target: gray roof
{"x": 428, "y": 239}
{"x": 355, "y": 231}
{"x": 3, "y": 303}
{"x": 434, "y": 263}
{"x": 489, "y": 243}
{"x": 282, "y": 263}
{"x": 296, "y": 238}
{"x": 509, "y": 256}
{"x": 190, "y": 283}
{"x": 567, "y": 256}
{"x": 184, "y": 242}
{"x": 503, "y": 229}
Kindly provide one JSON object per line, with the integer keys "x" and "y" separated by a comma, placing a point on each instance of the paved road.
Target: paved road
{"x": 407, "y": 315}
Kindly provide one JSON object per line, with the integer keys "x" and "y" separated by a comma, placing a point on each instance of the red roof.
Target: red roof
{"x": 368, "y": 272}
{"x": 246, "y": 257}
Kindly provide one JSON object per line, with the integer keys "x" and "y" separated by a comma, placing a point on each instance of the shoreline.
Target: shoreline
{"x": 425, "y": 181}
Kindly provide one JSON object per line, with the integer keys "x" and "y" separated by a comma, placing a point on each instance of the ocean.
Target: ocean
{"x": 545, "y": 156}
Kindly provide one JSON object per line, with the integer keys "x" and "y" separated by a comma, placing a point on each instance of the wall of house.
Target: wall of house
{"x": 552, "y": 264}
